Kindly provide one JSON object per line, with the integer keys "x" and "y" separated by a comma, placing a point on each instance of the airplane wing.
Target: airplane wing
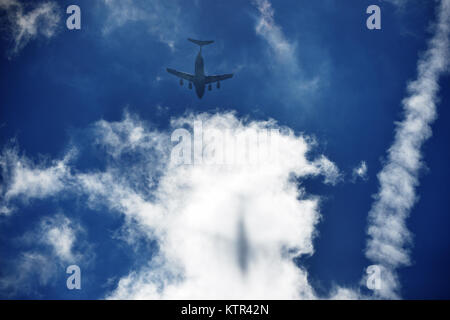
{"x": 183, "y": 75}
{"x": 210, "y": 79}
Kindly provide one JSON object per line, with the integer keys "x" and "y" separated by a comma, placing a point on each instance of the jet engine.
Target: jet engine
{"x": 190, "y": 85}
{"x": 181, "y": 82}
{"x": 218, "y": 84}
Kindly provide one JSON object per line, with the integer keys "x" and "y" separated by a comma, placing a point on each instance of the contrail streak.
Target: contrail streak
{"x": 389, "y": 237}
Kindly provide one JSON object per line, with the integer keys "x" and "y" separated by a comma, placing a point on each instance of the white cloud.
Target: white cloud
{"x": 163, "y": 19}
{"x": 329, "y": 170}
{"x": 398, "y": 3}
{"x": 4, "y": 210}
{"x": 60, "y": 234}
{"x": 340, "y": 293}
{"x": 388, "y": 234}
{"x": 128, "y": 135}
{"x": 230, "y": 231}
{"x": 360, "y": 171}
{"x": 284, "y": 52}
{"x": 26, "y": 180}
{"x": 53, "y": 244}
{"x": 42, "y": 20}
{"x": 273, "y": 34}
{"x": 29, "y": 268}
{"x": 224, "y": 231}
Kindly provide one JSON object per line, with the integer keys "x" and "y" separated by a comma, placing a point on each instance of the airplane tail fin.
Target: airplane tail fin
{"x": 200, "y": 43}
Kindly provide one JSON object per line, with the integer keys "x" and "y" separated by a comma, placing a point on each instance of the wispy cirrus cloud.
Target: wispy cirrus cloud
{"x": 24, "y": 274}
{"x": 162, "y": 19}
{"x": 41, "y": 20}
{"x": 45, "y": 252}
{"x": 284, "y": 52}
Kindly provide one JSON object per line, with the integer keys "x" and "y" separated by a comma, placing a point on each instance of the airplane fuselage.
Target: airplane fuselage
{"x": 199, "y": 78}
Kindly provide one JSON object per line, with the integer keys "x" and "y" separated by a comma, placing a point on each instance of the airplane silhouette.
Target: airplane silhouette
{"x": 200, "y": 80}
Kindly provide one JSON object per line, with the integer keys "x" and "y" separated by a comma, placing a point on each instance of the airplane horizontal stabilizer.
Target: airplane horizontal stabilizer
{"x": 200, "y": 42}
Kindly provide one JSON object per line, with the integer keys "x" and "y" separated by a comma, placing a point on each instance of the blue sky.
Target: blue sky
{"x": 70, "y": 101}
